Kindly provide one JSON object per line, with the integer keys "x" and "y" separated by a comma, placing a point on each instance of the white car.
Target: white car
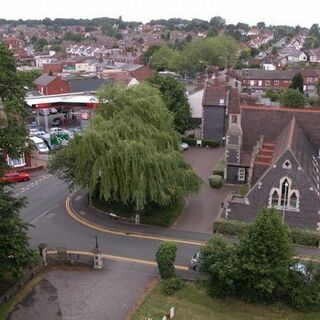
{"x": 183, "y": 146}
{"x": 34, "y": 132}
{"x": 53, "y": 110}
{"x": 55, "y": 130}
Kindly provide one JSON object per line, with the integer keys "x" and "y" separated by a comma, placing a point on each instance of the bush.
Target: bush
{"x": 215, "y": 181}
{"x": 301, "y": 294}
{"x": 165, "y": 257}
{"x": 302, "y": 237}
{"x": 230, "y": 227}
{"x": 193, "y": 142}
{"x": 242, "y": 190}
{"x": 170, "y": 286}
{"x": 189, "y": 141}
{"x": 219, "y": 168}
{"x": 210, "y": 143}
{"x": 305, "y": 237}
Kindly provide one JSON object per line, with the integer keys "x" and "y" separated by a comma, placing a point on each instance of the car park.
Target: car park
{"x": 14, "y": 176}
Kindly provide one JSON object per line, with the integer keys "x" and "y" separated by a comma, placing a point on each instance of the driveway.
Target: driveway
{"x": 109, "y": 294}
{"x": 203, "y": 208}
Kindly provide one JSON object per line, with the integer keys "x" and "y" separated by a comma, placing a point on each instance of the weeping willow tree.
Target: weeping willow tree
{"x": 129, "y": 154}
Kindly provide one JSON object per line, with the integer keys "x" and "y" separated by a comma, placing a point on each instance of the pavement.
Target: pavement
{"x": 108, "y": 294}
{"x": 204, "y": 207}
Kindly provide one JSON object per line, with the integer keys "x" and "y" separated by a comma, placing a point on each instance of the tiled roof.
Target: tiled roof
{"x": 44, "y": 80}
{"x": 214, "y": 95}
{"x": 260, "y": 74}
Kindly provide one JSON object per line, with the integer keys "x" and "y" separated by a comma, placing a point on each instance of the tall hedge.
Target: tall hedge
{"x": 165, "y": 257}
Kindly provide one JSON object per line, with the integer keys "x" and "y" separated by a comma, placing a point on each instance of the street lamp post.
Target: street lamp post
{"x": 286, "y": 185}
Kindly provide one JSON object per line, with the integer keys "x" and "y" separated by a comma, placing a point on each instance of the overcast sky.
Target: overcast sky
{"x": 289, "y": 12}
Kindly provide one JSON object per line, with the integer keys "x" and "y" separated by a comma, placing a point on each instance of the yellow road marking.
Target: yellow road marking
{"x": 100, "y": 228}
{"x": 119, "y": 258}
{"x": 97, "y": 227}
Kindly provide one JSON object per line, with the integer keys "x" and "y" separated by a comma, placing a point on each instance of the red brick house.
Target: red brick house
{"x": 49, "y": 84}
{"x": 261, "y": 80}
{"x": 142, "y": 73}
{"x": 52, "y": 68}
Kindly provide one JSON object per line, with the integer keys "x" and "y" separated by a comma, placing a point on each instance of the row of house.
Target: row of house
{"x": 259, "y": 80}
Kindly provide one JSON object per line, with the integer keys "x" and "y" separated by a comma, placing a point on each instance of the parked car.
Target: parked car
{"x": 56, "y": 121}
{"x": 43, "y": 112}
{"x": 195, "y": 261}
{"x": 34, "y": 132}
{"x": 39, "y": 144}
{"x": 15, "y": 177}
{"x": 55, "y": 130}
{"x": 183, "y": 146}
{"x": 53, "y": 111}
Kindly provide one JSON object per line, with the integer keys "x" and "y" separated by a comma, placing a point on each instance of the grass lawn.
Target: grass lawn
{"x": 193, "y": 303}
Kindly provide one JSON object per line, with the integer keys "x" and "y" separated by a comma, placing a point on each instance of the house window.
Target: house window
{"x": 275, "y": 198}
{"x": 241, "y": 174}
{"x": 293, "y": 200}
{"x": 276, "y": 82}
{"x": 20, "y": 162}
{"x": 268, "y": 83}
{"x": 284, "y": 192}
{"x": 284, "y": 196}
{"x": 234, "y": 118}
{"x": 287, "y": 165}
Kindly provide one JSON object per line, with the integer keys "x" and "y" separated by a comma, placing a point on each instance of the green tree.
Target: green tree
{"x": 217, "y": 23}
{"x": 27, "y": 78}
{"x": 165, "y": 257}
{"x": 129, "y": 153}
{"x": 149, "y": 52}
{"x": 218, "y": 261}
{"x": 297, "y": 82}
{"x": 318, "y": 87}
{"x": 293, "y": 98}
{"x": 164, "y": 59}
{"x": 174, "y": 96}
{"x": 41, "y": 43}
{"x": 14, "y": 248}
{"x": 261, "y": 25}
{"x": 264, "y": 254}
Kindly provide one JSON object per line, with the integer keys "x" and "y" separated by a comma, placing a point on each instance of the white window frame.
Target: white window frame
{"x": 16, "y": 163}
{"x": 242, "y": 174}
{"x": 290, "y": 193}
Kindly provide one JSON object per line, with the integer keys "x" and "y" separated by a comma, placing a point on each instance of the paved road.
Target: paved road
{"x": 52, "y": 225}
{"x": 44, "y": 193}
{"x": 203, "y": 208}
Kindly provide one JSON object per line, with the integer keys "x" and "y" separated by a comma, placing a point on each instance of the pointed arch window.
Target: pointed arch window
{"x": 293, "y": 200}
{"x": 275, "y": 198}
{"x": 284, "y": 196}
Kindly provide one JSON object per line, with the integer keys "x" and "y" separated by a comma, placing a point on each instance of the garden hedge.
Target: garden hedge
{"x": 206, "y": 142}
{"x": 303, "y": 237}
{"x": 215, "y": 181}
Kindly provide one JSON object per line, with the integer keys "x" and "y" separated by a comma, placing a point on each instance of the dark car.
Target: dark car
{"x": 56, "y": 121}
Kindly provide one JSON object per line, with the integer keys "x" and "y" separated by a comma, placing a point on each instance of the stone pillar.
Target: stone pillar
{"x": 97, "y": 257}
{"x": 43, "y": 248}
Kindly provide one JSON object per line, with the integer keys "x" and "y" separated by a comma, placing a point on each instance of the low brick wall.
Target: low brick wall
{"x": 19, "y": 284}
